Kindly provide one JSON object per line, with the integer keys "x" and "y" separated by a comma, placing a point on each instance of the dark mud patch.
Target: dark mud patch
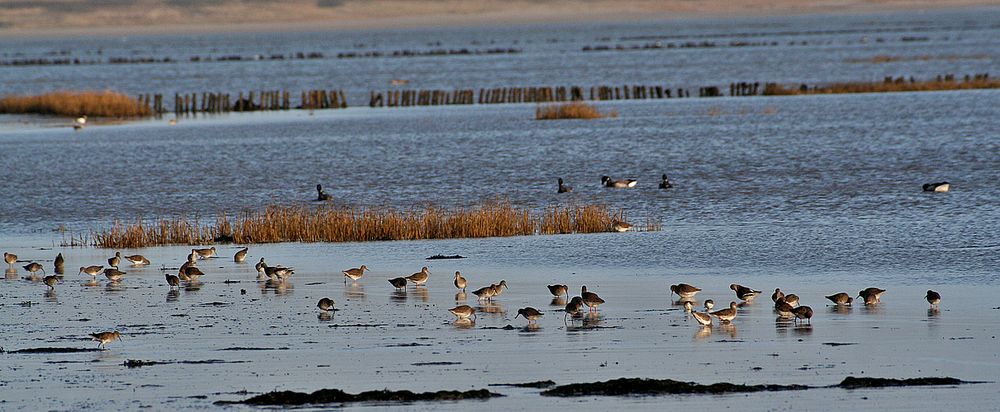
{"x": 537, "y": 384}
{"x": 835, "y": 344}
{"x": 634, "y": 386}
{"x": 441, "y": 257}
{"x": 241, "y": 348}
{"x": 215, "y": 304}
{"x": 325, "y": 396}
{"x": 435, "y": 363}
{"x": 29, "y": 351}
{"x": 407, "y": 345}
{"x": 359, "y": 325}
{"x": 138, "y": 363}
{"x": 852, "y": 382}
{"x": 508, "y": 327}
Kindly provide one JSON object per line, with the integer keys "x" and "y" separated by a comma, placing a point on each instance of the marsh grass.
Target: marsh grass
{"x": 574, "y": 110}
{"x": 95, "y": 104}
{"x": 883, "y": 87}
{"x": 338, "y": 224}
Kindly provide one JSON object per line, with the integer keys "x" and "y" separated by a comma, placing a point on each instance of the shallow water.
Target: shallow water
{"x": 813, "y": 194}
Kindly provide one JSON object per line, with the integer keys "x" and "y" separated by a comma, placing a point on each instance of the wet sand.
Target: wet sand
{"x": 218, "y": 344}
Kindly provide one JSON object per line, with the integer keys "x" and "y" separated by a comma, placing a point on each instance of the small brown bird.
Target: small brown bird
{"x": 354, "y": 273}
{"x": 105, "y": 338}
{"x": 10, "y": 258}
{"x": 783, "y": 308}
{"x": 499, "y": 287}
{"x": 463, "y": 311}
{"x": 172, "y": 280}
{"x": 114, "y": 275}
{"x": 709, "y": 304}
{"x": 803, "y": 313}
{"x": 703, "y": 319}
{"x": 684, "y": 290}
{"x": 620, "y": 226}
{"x": 590, "y": 299}
{"x": 325, "y": 304}
{"x": 260, "y": 266}
{"x": 60, "y": 264}
{"x": 205, "y": 253}
{"x": 115, "y": 260}
{"x": 871, "y": 295}
{"x": 726, "y": 315}
{"x": 485, "y": 292}
{"x": 190, "y": 274}
{"x": 137, "y": 260}
{"x": 743, "y": 292}
{"x": 778, "y": 294}
{"x": 529, "y": 313}
{"x": 792, "y": 299}
{"x": 398, "y": 283}
{"x": 841, "y": 298}
{"x": 34, "y": 267}
{"x": 278, "y": 272}
{"x": 574, "y": 307}
{"x": 688, "y": 306}
{"x": 460, "y": 282}
{"x": 241, "y": 255}
{"x": 51, "y": 281}
{"x": 933, "y": 298}
{"x": 92, "y": 270}
{"x": 559, "y": 290}
{"x": 420, "y": 277}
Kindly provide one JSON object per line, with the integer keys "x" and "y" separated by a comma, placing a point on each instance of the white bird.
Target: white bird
{"x": 80, "y": 122}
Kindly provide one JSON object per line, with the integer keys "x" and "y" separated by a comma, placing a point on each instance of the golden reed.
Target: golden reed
{"x": 884, "y": 87}
{"x": 574, "y": 110}
{"x": 336, "y": 224}
{"x": 95, "y": 104}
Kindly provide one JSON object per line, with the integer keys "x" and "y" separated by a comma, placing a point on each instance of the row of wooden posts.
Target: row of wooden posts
{"x": 187, "y": 103}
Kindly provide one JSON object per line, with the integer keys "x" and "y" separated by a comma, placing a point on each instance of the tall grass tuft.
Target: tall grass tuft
{"x": 574, "y": 110}
{"x": 96, "y": 104}
{"x": 336, "y": 224}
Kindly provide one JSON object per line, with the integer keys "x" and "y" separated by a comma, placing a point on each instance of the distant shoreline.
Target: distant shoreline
{"x": 373, "y": 16}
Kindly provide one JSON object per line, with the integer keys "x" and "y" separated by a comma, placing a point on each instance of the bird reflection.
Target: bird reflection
{"x": 50, "y": 296}
{"x": 325, "y": 316}
{"x": 355, "y": 290}
{"x": 729, "y": 328}
{"x": 873, "y": 309}
{"x": 839, "y": 309}
{"x": 933, "y": 312}
{"x": 531, "y": 328}
{"x": 460, "y": 297}
{"x": 114, "y": 287}
{"x": 398, "y": 296}
{"x": 278, "y": 287}
{"x": 10, "y": 274}
{"x": 681, "y": 301}
{"x": 803, "y": 329}
{"x": 558, "y": 301}
{"x": 491, "y": 307}
{"x": 192, "y": 286}
{"x": 703, "y": 333}
{"x": 465, "y": 323}
{"x": 421, "y": 293}
{"x": 92, "y": 282}
{"x": 172, "y": 295}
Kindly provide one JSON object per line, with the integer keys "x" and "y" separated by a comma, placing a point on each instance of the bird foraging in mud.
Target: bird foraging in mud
{"x": 51, "y": 281}
{"x": 529, "y": 313}
{"x": 325, "y": 304}
{"x": 684, "y": 290}
{"x": 137, "y": 260}
{"x": 354, "y": 273}
{"x": 398, "y": 283}
{"x": 743, "y": 292}
{"x": 420, "y": 277}
{"x": 105, "y": 338}
{"x": 841, "y": 299}
{"x": 574, "y": 307}
{"x": 803, "y": 313}
{"x": 933, "y": 298}
{"x": 590, "y": 299}
{"x": 559, "y": 290}
{"x": 871, "y": 296}
{"x": 172, "y": 280}
{"x": 241, "y": 255}
{"x": 34, "y": 267}
{"x": 463, "y": 311}
{"x": 726, "y": 315}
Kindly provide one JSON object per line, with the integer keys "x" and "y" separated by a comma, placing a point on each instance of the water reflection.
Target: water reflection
{"x": 172, "y": 295}
{"x": 781, "y": 325}
{"x": 703, "y": 333}
{"x": 558, "y": 301}
{"x": 531, "y": 328}
{"x": 114, "y": 287}
{"x": 804, "y": 329}
{"x": 398, "y": 296}
{"x": 729, "y": 328}
{"x": 50, "y": 296}
{"x": 278, "y": 287}
{"x": 10, "y": 274}
{"x": 421, "y": 293}
{"x": 839, "y": 309}
{"x": 933, "y": 312}
{"x": 192, "y": 286}
{"x": 873, "y": 309}
{"x": 325, "y": 316}
{"x": 355, "y": 290}
{"x": 681, "y": 301}
{"x": 492, "y": 308}
{"x": 464, "y": 323}
{"x": 92, "y": 282}
{"x": 460, "y": 297}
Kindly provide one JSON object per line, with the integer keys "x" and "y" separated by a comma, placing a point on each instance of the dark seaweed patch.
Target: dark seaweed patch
{"x": 439, "y": 257}
{"x": 851, "y": 382}
{"x": 324, "y": 396}
{"x": 634, "y": 386}
{"x": 537, "y": 384}
{"x": 137, "y": 363}
{"x": 53, "y": 350}
{"x": 839, "y": 343}
{"x": 435, "y": 363}
{"x": 235, "y": 348}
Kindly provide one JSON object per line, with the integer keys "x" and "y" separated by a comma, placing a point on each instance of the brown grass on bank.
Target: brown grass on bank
{"x": 331, "y": 224}
{"x": 574, "y": 110}
{"x": 882, "y": 87}
{"x": 95, "y": 104}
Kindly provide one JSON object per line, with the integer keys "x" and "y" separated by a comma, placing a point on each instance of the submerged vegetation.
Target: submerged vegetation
{"x": 326, "y": 396}
{"x": 889, "y": 85}
{"x": 98, "y": 104}
{"x": 574, "y": 110}
{"x": 337, "y": 224}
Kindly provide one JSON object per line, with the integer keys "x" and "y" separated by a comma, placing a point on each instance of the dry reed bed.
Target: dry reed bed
{"x": 98, "y": 104}
{"x": 883, "y": 87}
{"x": 334, "y": 224}
{"x": 574, "y": 110}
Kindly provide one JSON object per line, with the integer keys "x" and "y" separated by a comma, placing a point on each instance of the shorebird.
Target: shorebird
{"x": 937, "y": 187}
{"x": 485, "y": 292}
{"x": 114, "y": 275}
{"x": 34, "y": 267}
{"x": 684, "y": 290}
{"x": 499, "y": 287}
{"x": 105, "y": 338}
{"x": 871, "y": 295}
{"x": 743, "y": 292}
{"x": 193, "y": 256}
{"x": 608, "y": 182}
{"x": 574, "y": 307}
{"x": 354, "y": 273}
{"x": 665, "y": 183}
{"x": 260, "y": 266}
{"x": 420, "y": 277}
{"x": 559, "y": 290}
{"x": 322, "y": 196}
{"x": 709, "y": 304}
{"x": 529, "y": 313}
{"x": 619, "y": 226}
{"x": 79, "y": 122}
{"x": 463, "y": 311}
{"x": 51, "y": 281}
{"x": 933, "y": 298}
{"x": 563, "y": 188}
{"x": 803, "y": 313}
{"x": 792, "y": 299}
{"x": 92, "y": 270}
{"x": 590, "y": 299}
{"x": 205, "y": 253}
{"x": 778, "y": 294}
{"x": 10, "y": 258}
{"x": 688, "y": 306}
{"x": 190, "y": 274}
{"x": 703, "y": 319}
{"x": 60, "y": 263}
{"x": 115, "y": 260}
{"x": 841, "y": 298}
{"x": 278, "y": 272}
{"x": 783, "y": 308}
{"x": 726, "y": 315}
{"x": 398, "y": 283}
{"x": 191, "y": 262}
{"x": 325, "y": 304}
{"x": 172, "y": 280}
{"x": 241, "y": 255}
{"x": 460, "y": 282}
{"x": 137, "y": 260}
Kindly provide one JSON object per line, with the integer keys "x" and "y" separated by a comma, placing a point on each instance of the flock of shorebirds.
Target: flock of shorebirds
{"x": 785, "y": 305}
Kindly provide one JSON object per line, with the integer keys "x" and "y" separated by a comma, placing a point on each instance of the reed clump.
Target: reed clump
{"x": 340, "y": 224}
{"x": 573, "y": 110}
{"x": 90, "y": 103}
{"x": 980, "y": 82}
